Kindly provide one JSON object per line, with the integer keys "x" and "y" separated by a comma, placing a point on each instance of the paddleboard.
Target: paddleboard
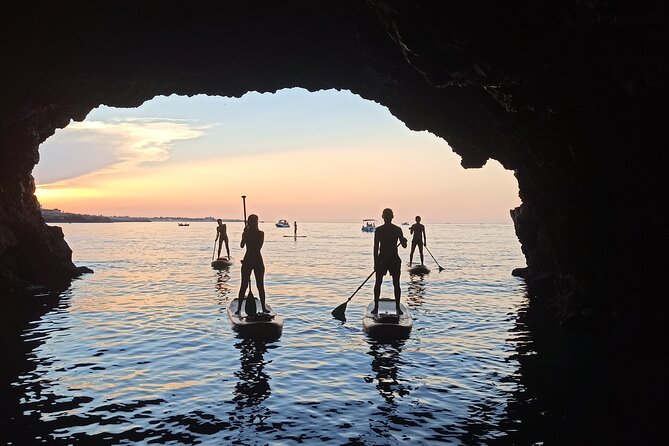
{"x": 386, "y": 324}
{"x": 222, "y": 262}
{"x": 266, "y": 326}
{"x": 419, "y": 269}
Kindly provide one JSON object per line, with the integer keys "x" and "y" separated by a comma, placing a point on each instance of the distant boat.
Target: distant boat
{"x": 368, "y": 225}
{"x": 406, "y": 223}
{"x": 184, "y": 224}
{"x": 282, "y": 224}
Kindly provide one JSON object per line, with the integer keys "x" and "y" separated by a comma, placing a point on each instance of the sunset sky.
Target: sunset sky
{"x": 328, "y": 156}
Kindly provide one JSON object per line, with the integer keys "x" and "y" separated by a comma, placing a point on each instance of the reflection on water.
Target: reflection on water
{"x": 222, "y": 287}
{"x": 142, "y": 350}
{"x": 385, "y": 363}
{"x": 252, "y": 387}
{"x": 416, "y": 292}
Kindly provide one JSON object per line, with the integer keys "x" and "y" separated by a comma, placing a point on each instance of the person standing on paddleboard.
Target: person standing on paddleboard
{"x": 253, "y": 239}
{"x": 387, "y": 238}
{"x": 222, "y": 236}
{"x": 419, "y": 239}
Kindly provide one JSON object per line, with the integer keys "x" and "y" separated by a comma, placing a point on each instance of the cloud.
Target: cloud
{"x": 90, "y": 149}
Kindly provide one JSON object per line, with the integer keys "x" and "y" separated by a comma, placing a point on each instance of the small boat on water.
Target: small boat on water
{"x": 282, "y": 224}
{"x": 184, "y": 224}
{"x": 222, "y": 262}
{"x": 386, "y": 324}
{"x": 266, "y": 326}
{"x": 368, "y": 225}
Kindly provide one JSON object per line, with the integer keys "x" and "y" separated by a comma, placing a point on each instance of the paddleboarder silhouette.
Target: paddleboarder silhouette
{"x": 387, "y": 238}
{"x": 419, "y": 239}
{"x": 222, "y": 236}
{"x": 253, "y": 239}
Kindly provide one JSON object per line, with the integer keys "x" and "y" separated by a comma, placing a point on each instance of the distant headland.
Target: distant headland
{"x": 58, "y": 216}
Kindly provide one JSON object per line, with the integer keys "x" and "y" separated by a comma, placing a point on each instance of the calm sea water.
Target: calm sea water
{"x": 142, "y": 352}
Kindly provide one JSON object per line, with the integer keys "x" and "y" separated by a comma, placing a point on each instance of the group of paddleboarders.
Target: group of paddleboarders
{"x": 387, "y": 238}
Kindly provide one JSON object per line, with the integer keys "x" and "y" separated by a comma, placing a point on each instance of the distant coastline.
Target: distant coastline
{"x": 58, "y": 216}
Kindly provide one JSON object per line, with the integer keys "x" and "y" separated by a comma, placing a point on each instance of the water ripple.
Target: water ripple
{"x": 141, "y": 351}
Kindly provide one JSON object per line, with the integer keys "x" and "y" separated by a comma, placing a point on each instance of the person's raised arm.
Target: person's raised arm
{"x": 243, "y": 242}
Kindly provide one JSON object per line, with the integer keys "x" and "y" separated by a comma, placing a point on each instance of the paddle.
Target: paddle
{"x": 435, "y": 260}
{"x": 250, "y": 307}
{"x": 339, "y": 312}
{"x": 213, "y": 253}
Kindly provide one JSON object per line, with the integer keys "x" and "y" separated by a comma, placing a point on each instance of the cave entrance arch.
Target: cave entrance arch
{"x": 512, "y": 84}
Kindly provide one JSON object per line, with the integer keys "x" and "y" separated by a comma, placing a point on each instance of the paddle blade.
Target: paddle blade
{"x": 340, "y": 312}
{"x": 250, "y": 307}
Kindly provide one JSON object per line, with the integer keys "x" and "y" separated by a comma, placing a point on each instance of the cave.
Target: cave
{"x": 568, "y": 96}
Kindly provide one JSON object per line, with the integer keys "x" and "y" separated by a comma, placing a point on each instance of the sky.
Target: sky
{"x": 326, "y": 156}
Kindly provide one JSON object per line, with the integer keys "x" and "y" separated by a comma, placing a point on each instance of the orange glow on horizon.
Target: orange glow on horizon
{"x": 147, "y": 168}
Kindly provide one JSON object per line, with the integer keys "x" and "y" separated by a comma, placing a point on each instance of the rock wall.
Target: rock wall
{"x": 568, "y": 95}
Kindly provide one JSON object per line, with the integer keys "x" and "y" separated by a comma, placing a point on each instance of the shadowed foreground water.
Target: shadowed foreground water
{"x": 141, "y": 351}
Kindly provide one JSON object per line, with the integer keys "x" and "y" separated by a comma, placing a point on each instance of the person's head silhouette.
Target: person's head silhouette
{"x": 253, "y": 221}
{"x": 417, "y": 218}
{"x": 387, "y": 215}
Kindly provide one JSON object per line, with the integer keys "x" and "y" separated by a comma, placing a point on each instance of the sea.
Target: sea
{"x": 141, "y": 351}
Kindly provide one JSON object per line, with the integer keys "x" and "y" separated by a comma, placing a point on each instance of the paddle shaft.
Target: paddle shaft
{"x": 435, "y": 260}
{"x": 214, "y": 253}
{"x": 244, "y": 201}
{"x": 370, "y": 275}
{"x": 361, "y": 285}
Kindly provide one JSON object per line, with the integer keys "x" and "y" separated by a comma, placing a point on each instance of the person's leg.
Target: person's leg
{"x": 396, "y": 288}
{"x": 227, "y": 248}
{"x": 246, "y": 276}
{"x": 420, "y": 251}
{"x": 260, "y": 283}
{"x": 377, "y": 291}
{"x": 413, "y": 248}
{"x": 220, "y": 244}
